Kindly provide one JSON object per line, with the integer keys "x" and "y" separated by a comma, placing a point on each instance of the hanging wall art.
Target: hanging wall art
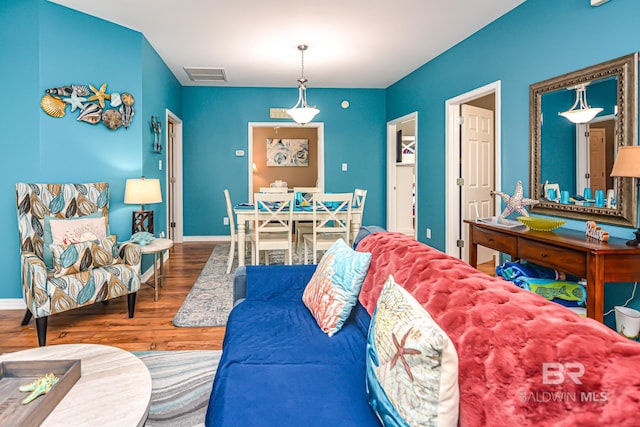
{"x": 94, "y": 105}
{"x": 287, "y": 152}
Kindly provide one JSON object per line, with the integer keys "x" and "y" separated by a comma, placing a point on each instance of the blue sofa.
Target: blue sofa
{"x": 278, "y": 368}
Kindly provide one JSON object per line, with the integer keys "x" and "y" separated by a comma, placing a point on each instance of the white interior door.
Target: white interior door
{"x": 478, "y": 166}
{"x": 174, "y": 190}
{"x": 402, "y": 181}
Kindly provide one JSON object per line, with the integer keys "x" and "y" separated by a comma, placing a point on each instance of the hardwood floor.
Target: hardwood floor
{"x": 150, "y": 329}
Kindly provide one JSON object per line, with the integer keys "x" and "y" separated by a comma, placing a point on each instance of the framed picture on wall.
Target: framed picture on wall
{"x": 287, "y": 152}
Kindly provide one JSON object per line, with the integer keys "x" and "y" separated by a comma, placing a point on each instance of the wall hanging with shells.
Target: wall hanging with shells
{"x": 94, "y": 105}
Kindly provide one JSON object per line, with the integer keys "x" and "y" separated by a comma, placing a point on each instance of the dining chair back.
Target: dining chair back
{"x": 331, "y": 221}
{"x": 232, "y": 230}
{"x": 359, "y": 197}
{"x": 273, "y": 223}
{"x": 304, "y": 197}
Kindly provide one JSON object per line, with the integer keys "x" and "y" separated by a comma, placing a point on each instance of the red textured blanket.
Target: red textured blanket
{"x": 523, "y": 361}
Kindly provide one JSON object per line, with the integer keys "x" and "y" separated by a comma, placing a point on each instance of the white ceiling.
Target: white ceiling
{"x": 352, "y": 43}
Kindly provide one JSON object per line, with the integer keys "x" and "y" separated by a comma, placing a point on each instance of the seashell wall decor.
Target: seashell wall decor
{"x": 93, "y": 104}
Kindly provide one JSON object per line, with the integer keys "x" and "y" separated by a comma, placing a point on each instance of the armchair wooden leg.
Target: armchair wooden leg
{"x": 131, "y": 300}
{"x": 27, "y": 318}
{"x": 41, "y": 327}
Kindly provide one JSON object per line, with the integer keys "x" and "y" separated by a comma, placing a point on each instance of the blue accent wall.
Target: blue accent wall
{"x": 537, "y": 40}
{"x": 216, "y": 125}
{"x": 54, "y": 46}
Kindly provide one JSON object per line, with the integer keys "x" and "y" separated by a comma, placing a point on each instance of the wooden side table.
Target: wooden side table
{"x": 155, "y": 247}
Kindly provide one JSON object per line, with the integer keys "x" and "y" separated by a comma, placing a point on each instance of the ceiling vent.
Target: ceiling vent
{"x": 203, "y": 74}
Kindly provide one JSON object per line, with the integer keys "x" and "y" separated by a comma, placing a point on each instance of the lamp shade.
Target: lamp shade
{"x": 581, "y": 115}
{"x": 142, "y": 191}
{"x": 627, "y": 162}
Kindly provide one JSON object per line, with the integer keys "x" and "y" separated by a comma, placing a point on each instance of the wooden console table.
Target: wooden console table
{"x": 569, "y": 251}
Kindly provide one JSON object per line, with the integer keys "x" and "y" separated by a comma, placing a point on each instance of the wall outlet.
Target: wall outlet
{"x": 428, "y": 233}
{"x": 344, "y": 167}
{"x": 159, "y": 165}
{"x": 161, "y": 234}
{"x": 225, "y": 220}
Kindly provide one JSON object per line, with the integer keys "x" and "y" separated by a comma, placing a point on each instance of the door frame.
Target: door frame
{"x": 452, "y": 201}
{"x": 178, "y": 168}
{"x": 319, "y": 126}
{"x": 582, "y": 153}
{"x": 392, "y": 127}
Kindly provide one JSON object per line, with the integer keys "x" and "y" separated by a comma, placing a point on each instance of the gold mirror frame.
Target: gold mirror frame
{"x": 625, "y": 69}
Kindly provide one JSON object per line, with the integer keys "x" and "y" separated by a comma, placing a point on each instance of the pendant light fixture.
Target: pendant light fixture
{"x": 580, "y": 111}
{"x": 301, "y": 112}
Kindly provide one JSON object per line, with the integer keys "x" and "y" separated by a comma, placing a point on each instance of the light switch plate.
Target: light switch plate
{"x": 344, "y": 167}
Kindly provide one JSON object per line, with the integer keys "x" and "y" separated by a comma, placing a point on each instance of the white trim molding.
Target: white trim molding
{"x": 452, "y": 201}
{"x": 12, "y": 304}
{"x": 207, "y": 238}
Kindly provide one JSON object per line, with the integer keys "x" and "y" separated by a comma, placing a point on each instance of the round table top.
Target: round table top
{"x": 114, "y": 388}
{"x": 156, "y": 245}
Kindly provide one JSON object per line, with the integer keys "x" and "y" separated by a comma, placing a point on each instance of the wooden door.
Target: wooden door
{"x": 597, "y": 160}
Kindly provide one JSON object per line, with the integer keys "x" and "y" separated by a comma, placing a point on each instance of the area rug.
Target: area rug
{"x": 181, "y": 383}
{"x": 211, "y": 297}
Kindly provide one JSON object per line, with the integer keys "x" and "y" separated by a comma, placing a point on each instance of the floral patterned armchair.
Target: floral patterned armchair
{"x": 79, "y": 272}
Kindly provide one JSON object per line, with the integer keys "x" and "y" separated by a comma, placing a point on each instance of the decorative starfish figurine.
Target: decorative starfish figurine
{"x": 515, "y": 203}
{"x": 40, "y": 386}
{"x": 400, "y": 353}
{"x": 75, "y": 101}
{"x": 99, "y": 95}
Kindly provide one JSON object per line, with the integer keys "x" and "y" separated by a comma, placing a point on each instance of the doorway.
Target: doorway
{"x": 402, "y": 174}
{"x": 259, "y": 132}
{"x": 173, "y": 177}
{"x": 472, "y": 165}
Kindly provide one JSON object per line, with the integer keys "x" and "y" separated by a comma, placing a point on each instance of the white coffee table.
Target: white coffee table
{"x": 155, "y": 247}
{"x": 114, "y": 388}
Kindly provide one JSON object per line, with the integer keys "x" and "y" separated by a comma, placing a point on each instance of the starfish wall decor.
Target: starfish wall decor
{"x": 515, "y": 203}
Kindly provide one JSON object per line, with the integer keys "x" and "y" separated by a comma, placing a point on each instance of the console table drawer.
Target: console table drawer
{"x": 498, "y": 241}
{"x": 562, "y": 259}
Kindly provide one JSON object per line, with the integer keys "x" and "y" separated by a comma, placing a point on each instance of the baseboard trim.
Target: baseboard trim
{"x": 207, "y": 238}
{"x": 12, "y": 304}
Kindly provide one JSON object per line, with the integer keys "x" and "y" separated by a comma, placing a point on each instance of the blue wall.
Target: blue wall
{"x": 537, "y": 40}
{"x": 215, "y": 125}
{"x": 52, "y": 46}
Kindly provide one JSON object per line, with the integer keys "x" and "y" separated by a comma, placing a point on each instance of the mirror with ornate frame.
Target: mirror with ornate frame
{"x": 567, "y": 159}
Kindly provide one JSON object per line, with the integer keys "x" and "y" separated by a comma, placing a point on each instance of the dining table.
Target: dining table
{"x": 244, "y": 213}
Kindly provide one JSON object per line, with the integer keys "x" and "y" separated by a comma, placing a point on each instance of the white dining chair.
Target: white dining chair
{"x": 305, "y": 198}
{"x": 359, "y": 197}
{"x": 331, "y": 221}
{"x": 232, "y": 230}
{"x": 273, "y": 223}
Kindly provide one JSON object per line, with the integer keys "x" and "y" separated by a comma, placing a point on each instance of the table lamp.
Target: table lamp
{"x": 627, "y": 165}
{"x": 142, "y": 191}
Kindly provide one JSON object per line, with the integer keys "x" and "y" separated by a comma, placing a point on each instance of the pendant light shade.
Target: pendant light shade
{"x": 301, "y": 112}
{"x": 580, "y": 111}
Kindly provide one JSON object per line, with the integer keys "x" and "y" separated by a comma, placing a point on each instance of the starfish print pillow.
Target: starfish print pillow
{"x": 412, "y": 365}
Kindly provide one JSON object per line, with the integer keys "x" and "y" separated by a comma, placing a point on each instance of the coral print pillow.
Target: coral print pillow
{"x": 65, "y": 231}
{"x": 334, "y": 287}
{"x": 77, "y": 257}
{"x": 412, "y": 365}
